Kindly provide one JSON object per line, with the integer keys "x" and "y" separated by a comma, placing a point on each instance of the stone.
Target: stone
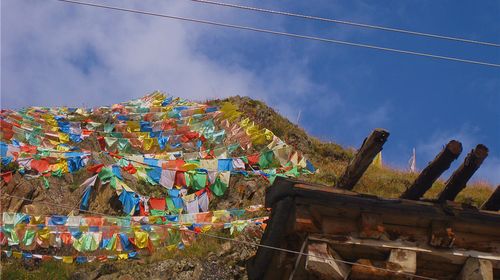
{"x": 405, "y": 258}
{"x": 476, "y": 269}
{"x": 321, "y": 262}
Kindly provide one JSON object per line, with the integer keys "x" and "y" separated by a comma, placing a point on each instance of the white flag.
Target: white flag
{"x": 413, "y": 162}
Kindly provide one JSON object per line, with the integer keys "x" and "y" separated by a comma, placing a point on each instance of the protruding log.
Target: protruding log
{"x": 432, "y": 172}
{"x": 321, "y": 262}
{"x": 476, "y": 269}
{"x": 461, "y": 176}
{"x": 405, "y": 258}
{"x": 493, "y": 202}
{"x": 369, "y": 149}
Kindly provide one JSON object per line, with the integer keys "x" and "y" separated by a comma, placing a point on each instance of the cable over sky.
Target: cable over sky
{"x": 280, "y": 33}
{"x": 351, "y": 23}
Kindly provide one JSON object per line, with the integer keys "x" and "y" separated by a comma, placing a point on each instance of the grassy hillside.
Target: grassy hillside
{"x": 331, "y": 158}
{"x": 218, "y": 259}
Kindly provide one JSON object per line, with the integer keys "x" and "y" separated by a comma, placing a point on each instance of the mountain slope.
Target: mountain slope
{"x": 209, "y": 258}
{"x": 331, "y": 159}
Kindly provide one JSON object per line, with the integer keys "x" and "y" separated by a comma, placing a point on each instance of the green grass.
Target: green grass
{"x": 53, "y": 270}
{"x": 199, "y": 249}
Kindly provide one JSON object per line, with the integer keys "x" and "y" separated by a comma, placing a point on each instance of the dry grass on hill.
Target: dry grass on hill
{"x": 331, "y": 158}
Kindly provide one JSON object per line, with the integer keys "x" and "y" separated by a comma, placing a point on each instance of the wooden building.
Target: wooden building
{"x": 326, "y": 232}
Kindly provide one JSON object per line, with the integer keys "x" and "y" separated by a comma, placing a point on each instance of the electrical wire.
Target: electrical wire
{"x": 310, "y": 255}
{"x": 66, "y": 206}
{"x": 248, "y": 243}
{"x": 293, "y": 35}
{"x": 62, "y": 206}
{"x": 351, "y": 23}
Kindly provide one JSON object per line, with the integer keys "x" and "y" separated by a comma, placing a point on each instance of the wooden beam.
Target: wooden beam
{"x": 321, "y": 262}
{"x": 476, "y": 269}
{"x": 336, "y": 203}
{"x": 432, "y": 172}
{"x": 405, "y": 258}
{"x": 365, "y": 269}
{"x": 493, "y": 202}
{"x": 304, "y": 221}
{"x": 451, "y": 255}
{"x": 461, "y": 176}
{"x": 478, "y": 242}
{"x": 273, "y": 236}
{"x": 372, "y": 226}
{"x": 371, "y": 146}
{"x": 437, "y": 268}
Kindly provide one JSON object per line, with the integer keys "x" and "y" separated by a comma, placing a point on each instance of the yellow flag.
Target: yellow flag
{"x": 62, "y": 148}
{"x": 269, "y": 134}
{"x": 63, "y": 166}
{"x": 153, "y": 219}
{"x": 141, "y": 239}
{"x": 37, "y": 220}
{"x": 190, "y": 166}
{"x": 206, "y": 228}
{"x": 377, "y": 161}
{"x": 50, "y": 120}
{"x": 63, "y": 137}
{"x": 43, "y": 234}
{"x": 147, "y": 144}
{"x": 245, "y": 122}
{"x": 230, "y": 111}
{"x": 171, "y": 247}
{"x": 84, "y": 228}
{"x": 133, "y": 126}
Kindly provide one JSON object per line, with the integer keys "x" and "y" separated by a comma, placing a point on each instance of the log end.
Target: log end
{"x": 454, "y": 147}
{"x": 381, "y": 134}
{"x": 481, "y": 151}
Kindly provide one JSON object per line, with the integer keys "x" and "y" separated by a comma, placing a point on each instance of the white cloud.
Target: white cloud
{"x": 375, "y": 118}
{"x": 59, "y": 54}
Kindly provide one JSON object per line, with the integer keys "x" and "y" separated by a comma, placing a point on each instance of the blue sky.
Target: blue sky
{"x": 60, "y": 54}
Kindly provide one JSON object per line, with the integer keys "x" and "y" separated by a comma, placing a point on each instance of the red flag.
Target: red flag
{"x": 95, "y": 168}
{"x": 41, "y": 165}
{"x": 130, "y": 168}
{"x": 7, "y": 176}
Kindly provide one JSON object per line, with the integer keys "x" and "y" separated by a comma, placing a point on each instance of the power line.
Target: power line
{"x": 315, "y": 256}
{"x": 61, "y": 206}
{"x": 66, "y": 206}
{"x": 243, "y": 242}
{"x": 293, "y": 35}
{"x": 363, "y": 25}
